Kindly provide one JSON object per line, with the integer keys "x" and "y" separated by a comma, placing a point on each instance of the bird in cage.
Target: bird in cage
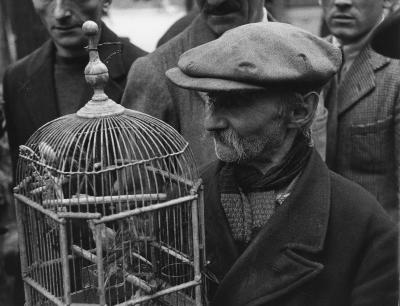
{"x": 43, "y": 180}
{"x": 117, "y": 244}
{"x": 46, "y": 179}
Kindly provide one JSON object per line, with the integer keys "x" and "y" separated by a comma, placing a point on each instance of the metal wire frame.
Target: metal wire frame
{"x": 42, "y": 280}
{"x": 83, "y": 178}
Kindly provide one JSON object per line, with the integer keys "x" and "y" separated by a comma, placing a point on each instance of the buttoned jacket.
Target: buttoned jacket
{"x": 29, "y": 86}
{"x": 363, "y": 141}
{"x": 330, "y": 243}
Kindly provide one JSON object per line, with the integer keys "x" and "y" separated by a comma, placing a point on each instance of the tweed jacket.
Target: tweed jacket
{"x": 29, "y": 89}
{"x": 330, "y": 243}
{"x": 148, "y": 90}
{"x": 364, "y": 127}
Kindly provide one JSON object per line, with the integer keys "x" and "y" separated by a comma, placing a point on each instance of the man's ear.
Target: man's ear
{"x": 388, "y": 3}
{"x": 106, "y": 6}
{"x": 303, "y": 114}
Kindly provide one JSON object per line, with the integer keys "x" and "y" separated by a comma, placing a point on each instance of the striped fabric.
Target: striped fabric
{"x": 363, "y": 142}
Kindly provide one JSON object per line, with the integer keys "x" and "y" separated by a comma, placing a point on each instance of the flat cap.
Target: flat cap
{"x": 386, "y": 37}
{"x": 258, "y": 56}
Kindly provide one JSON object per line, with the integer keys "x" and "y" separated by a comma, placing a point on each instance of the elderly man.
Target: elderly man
{"x": 363, "y": 103}
{"x": 50, "y": 82}
{"x": 281, "y": 229}
{"x": 149, "y": 91}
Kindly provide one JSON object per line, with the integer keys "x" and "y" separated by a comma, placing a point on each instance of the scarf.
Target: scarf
{"x": 248, "y": 197}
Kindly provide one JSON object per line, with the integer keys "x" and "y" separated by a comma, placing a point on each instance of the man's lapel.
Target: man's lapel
{"x": 221, "y": 248}
{"x": 38, "y": 92}
{"x": 199, "y": 33}
{"x": 330, "y": 93}
{"x": 281, "y": 257}
{"x": 360, "y": 79}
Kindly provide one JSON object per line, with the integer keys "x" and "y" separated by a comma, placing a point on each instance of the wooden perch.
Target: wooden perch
{"x": 172, "y": 252}
{"x": 84, "y": 253}
{"x": 93, "y": 200}
{"x": 136, "y": 281}
{"x": 169, "y": 175}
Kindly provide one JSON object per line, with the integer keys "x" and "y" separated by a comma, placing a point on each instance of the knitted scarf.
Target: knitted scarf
{"x": 248, "y": 196}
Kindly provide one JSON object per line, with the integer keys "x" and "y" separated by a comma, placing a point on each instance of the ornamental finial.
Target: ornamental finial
{"x": 96, "y": 75}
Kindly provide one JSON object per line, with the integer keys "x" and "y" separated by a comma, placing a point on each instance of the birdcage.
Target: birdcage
{"x": 109, "y": 207}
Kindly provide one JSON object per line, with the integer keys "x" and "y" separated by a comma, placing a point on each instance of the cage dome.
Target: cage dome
{"x": 109, "y": 207}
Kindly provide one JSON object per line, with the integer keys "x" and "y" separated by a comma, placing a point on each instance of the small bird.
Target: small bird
{"x": 107, "y": 234}
{"x": 47, "y": 154}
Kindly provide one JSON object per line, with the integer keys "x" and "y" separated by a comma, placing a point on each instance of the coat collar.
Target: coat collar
{"x": 199, "y": 32}
{"x": 111, "y": 53}
{"x": 360, "y": 79}
{"x": 40, "y": 96}
{"x": 283, "y": 254}
{"x": 38, "y": 92}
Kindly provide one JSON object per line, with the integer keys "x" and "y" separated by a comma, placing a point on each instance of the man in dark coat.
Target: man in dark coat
{"x": 149, "y": 91}
{"x": 281, "y": 228}
{"x": 50, "y": 82}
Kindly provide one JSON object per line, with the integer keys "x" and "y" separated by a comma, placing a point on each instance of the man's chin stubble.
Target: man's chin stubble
{"x": 226, "y": 154}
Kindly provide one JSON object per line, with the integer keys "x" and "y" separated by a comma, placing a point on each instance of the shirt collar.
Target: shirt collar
{"x": 350, "y": 51}
{"x": 282, "y": 195}
{"x": 265, "y": 15}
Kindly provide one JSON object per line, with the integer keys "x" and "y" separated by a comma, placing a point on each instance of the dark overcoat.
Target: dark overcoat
{"x": 29, "y": 87}
{"x": 364, "y": 127}
{"x": 329, "y": 244}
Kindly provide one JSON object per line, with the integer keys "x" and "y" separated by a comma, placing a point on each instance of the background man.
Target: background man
{"x": 363, "y": 103}
{"x": 182, "y": 23}
{"x": 149, "y": 91}
{"x": 281, "y": 229}
{"x": 50, "y": 82}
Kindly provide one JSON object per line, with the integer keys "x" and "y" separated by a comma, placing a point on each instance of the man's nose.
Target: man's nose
{"x": 214, "y": 120}
{"x": 61, "y": 9}
{"x": 343, "y": 3}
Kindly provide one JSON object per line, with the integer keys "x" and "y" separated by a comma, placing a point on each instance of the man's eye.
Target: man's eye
{"x": 210, "y": 101}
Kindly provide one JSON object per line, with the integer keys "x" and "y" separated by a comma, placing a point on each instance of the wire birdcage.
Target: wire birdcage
{"x": 109, "y": 207}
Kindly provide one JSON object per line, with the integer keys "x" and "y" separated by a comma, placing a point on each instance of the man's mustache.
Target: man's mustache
{"x": 225, "y": 7}
{"x": 227, "y": 137}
